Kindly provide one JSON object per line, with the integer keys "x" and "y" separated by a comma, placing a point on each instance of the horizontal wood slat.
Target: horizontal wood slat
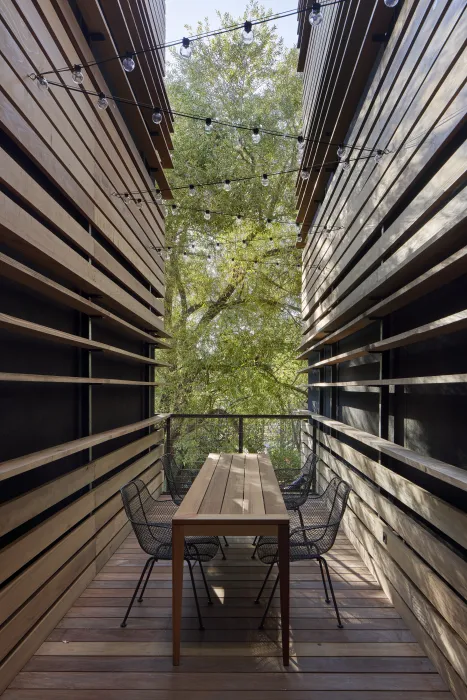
{"x": 53, "y": 335}
{"x": 20, "y": 465}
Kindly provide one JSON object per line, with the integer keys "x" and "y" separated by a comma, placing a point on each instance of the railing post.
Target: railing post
{"x": 240, "y": 434}
{"x": 168, "y": 446}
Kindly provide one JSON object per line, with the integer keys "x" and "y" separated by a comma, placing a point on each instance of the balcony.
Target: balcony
{"x": 86, "y": 654}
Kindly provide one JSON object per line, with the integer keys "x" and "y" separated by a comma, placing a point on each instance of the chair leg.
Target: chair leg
{"x": 205, "y": 583}
{"x": 123, "y": 623}
{"x": 324, "y": 581}
{"x": 269, "y": 603}
{"x": 255, "y": 540}
{"x": 221, "y": 548}
{"x": 257, "y": 601}
{"x": 339, "y": 623}
{"x": 201, "y": 626}
{"x": 225, "y": 541}
{"x": 253, "y": 556}
{"x": 140, "y": 599}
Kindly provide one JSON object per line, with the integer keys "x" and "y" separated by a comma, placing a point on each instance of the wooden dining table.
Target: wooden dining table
{"x": 236, "y": 495}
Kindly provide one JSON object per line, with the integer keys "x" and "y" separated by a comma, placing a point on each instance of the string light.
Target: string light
{"x": 391, "y": 3}
{"x": 208, "y": 121}
{"x": 345, "y": 164}
{"x": 216, "y": 32}
{"x": 77, "y": 75}
{"x": 128, "y": 62}
{"x": 43, "y": 83}
{"x": 157, "y": 116}
{"x": 247, "y": 33}
{"x": 207, "y": 215}
{"x": 378, "y": 155}
{"x": 191, "y": 190}
{"x": 139, "y": 203}
{"x": 265, "y": 180}
{"x": 185, "y": 48}
{"x": 227, "y": 186}
{"x": 316, "y": 16}
{"x": 158, "y": 197}
{"x": 102, "y": 102}
{"x": 174, "y": 210}
{"x": 238, "y": 218}
{"x": 305, "y": 174}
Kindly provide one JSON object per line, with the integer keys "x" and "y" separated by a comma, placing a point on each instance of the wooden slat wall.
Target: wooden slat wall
{"x": 384, "y": 308}
{"x": 81, "y": 304}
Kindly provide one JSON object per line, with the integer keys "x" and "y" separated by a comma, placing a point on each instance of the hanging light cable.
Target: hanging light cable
{"x": 205, "y": 35}
{"x": 255, "y": 131}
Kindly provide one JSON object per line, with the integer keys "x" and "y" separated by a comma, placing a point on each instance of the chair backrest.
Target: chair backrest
{"x": 177, "y": 488}
{"x": 299, "y": 489}
{"x": 334, "y": 502}
{"x": 141, "y": 509}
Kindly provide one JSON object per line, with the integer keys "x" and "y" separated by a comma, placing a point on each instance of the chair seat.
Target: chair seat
{"x": 196, "y": 549}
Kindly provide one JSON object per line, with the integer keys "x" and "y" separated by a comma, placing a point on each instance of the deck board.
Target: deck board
{"x": 89, "y": 657}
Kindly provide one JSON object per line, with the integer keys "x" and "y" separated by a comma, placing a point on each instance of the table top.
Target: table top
{"x": 236, "y": 488}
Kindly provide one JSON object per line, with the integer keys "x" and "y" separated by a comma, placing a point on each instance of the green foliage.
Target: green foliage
{"x": 235, "y": 315}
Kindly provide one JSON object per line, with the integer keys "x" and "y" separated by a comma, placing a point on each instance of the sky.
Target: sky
{"x": 181, "y": 12}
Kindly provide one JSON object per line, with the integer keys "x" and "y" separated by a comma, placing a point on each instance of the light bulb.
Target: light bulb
{"x": 158, "y": 197}
{"x": 102, "y": 102}
{"x": 304, "y": 174}
{"x": 191, "y": 190}
{"x": 43, "y": 83}
{"x": 391, "y": 3}
{"x": 209, "y": 257}
{"x": 244, "y": 243}
{"x": 341, "y": 151}
{"x": 238, "y": 219}
{"x": 378, "y": 155}
{"x": 218, "y": 246}
{"x": 301, "y": 144}
{"x": 227, "y": 186}
{"x": 256, "y": 136}
{"x": 185, "y": 48}
{"x": 268, "y": 222}
{"x": 264, "y": 180}
{"x": 345, "y": 164}
{"x": 139, "y": 203}
{"x": 208, "y": 125}
{"x": 128, "y": 62}
{"x": 315, "y": 17}
{"x": 247, "y": 34}
{"x": 126, "y": 197}
{"x": 174, "y": 210}
{"x": 207, "y": 214}
{"x": 185, "y": 254}
{"x": 77, "y": 75}
{"x": 157, "y": 116}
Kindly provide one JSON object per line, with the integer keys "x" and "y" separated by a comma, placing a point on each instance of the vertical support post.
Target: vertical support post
{"x": 383, "y": 428}
{"x": 284, "y": 582}
{"x": 168, "y": 445}
{"x": 240, "y": 434}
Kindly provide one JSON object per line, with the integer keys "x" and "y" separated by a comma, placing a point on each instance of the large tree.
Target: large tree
{"x": 232, "y": 290}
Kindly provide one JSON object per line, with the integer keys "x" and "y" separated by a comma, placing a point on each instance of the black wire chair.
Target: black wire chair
{"x": 313, "y": 532}
{"x": 179, "y": 481}
{"x": 151, "y": 520}
{"x": 296, "y": 492}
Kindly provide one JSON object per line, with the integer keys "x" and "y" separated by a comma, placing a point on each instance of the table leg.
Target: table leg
{"x": 284, "y": 580}
{"x": 178, "y": 550}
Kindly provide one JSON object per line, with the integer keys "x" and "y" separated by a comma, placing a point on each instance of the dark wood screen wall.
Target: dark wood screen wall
{"x": 81, "y": 302}
{"x": 385, "y": 300}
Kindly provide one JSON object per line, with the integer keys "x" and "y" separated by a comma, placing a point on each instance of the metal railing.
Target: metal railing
{"x": 191, "y": 437}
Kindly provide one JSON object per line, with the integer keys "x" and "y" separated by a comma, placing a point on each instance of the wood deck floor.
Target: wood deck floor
{"x": 89, "y": 657}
